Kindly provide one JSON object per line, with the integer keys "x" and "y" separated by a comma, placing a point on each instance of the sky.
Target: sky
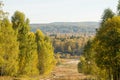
{"x": 47, "y": 11}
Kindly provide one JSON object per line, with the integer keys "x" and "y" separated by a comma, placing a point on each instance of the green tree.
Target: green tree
{"x": 118, "y": 8}
{"x": 87, "y": 61}
{"x": 87, "y": 64}
{"x": 45, "y": 53}
{"x": 107, "y": 45}
{"x": 87, "y": 50}
{"x": 108, "y": 13}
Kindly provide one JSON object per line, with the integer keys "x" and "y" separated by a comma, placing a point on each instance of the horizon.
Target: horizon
{"x": 45, "y": 11}
{"x": 68, "y": 22}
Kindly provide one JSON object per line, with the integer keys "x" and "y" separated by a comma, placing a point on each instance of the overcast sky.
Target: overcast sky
{"x": 45, "y": 11}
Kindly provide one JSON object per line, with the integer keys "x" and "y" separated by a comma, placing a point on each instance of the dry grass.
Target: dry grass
{"x": 67, "y": 70}
{"x": 6, "y": 78}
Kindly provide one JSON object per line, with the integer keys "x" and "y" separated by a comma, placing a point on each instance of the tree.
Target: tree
{"x": 45, "y": 53}
{"x": 88, "y": 51}
{"x": 21, "y": 27}
{"x": 9, "y": 49}
{"x": 8, "y": 46}
{"x": 3, "y": 14}
{"x": 107, "y": 14}
{"x": 31, "y": 58}
{"x": 107, "y": 45}
{"x": 86, "y": 63}
{"x": 81, "y": 65}
{"x": 118, "y": 8}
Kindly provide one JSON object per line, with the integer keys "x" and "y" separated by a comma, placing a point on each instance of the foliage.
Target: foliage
{"x": 36, "y": 51}
{"x": 67, "y": 44}
{"x": 21, "y": 27}
{"x": 31, "y": 56}
{"x": 87, "y": 64}
{"x": 107, "y": 46}
{"x": 105, "y": 53}
{"x": 107, "y": 14}
{"x": 23, "y": 53}
{"x": 118, "y": 8}
{"x": 45, "y": 51}
{"x": 8, "y": 49}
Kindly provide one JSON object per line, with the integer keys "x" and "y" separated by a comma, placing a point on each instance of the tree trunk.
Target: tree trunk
{"x": 118, "y": 73}
{"x": 109, "y": 73}
{"x": 114, "y": 76}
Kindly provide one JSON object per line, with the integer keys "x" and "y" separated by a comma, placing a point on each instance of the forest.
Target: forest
{"x": 59, "y": 50}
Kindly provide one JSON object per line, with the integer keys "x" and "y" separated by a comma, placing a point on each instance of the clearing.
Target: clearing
{"x": 67, "y": 70}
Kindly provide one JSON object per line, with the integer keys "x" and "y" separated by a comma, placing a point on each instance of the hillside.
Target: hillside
{"x": 67, "y": 27}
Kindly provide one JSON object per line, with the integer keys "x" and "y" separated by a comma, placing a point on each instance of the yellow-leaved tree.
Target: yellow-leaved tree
{"x": 45, "y": 51}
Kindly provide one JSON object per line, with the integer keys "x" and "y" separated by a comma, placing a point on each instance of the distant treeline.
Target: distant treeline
{"x": 67, "y": 27}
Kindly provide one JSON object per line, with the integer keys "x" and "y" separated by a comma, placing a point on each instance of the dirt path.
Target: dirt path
{"x": 67, "y": 71}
